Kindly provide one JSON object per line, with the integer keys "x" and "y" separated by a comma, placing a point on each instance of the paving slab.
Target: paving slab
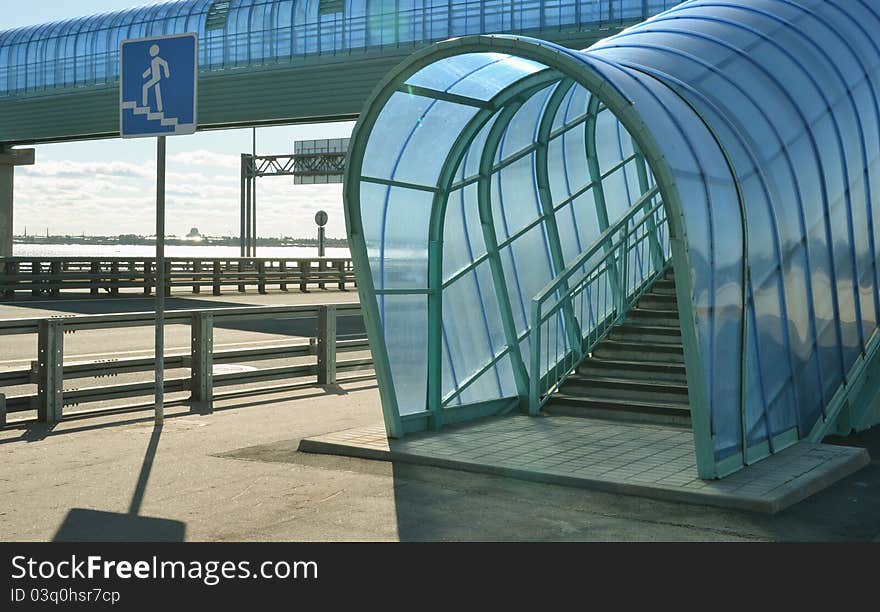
{"x": 645, "y": 460}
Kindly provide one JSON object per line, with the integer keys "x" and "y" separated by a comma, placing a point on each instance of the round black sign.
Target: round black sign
{"x": 321, "y": 218}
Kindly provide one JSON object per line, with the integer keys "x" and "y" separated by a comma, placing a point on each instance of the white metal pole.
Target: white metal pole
{"x": 160, "y": 280}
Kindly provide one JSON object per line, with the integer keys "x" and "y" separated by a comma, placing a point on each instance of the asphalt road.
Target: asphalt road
{"x": 16, "y": 351}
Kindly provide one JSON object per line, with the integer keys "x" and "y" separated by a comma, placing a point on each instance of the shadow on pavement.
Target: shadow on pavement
{"x": 86, "y": 525}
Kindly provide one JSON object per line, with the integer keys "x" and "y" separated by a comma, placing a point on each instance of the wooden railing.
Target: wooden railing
{"x": 49, "y": 276}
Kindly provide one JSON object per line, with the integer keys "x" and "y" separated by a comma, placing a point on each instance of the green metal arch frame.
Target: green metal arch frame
{"x": 583, "y": 74}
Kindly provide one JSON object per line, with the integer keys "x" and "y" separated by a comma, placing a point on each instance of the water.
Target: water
{"x": 146, "y": 250}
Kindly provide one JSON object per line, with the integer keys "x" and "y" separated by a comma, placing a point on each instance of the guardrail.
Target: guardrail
{"x": 49, "y": 372}
{"x": 48, "y": 276}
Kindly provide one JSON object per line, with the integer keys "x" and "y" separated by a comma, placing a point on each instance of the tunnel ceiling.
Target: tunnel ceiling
{"x": 485, "y": 169}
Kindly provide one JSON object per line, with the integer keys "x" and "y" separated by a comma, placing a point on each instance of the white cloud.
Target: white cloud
{"x": 202, "y": 190}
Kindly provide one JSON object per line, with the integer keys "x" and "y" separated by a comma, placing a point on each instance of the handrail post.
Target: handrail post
{"x": 50, "y": 372}
{"x": 261, "y": 277}
{"x": 340, "y": 268}
{"x": 148, "y": 276}
{"x": 95, "y": 278}
{"x": 12, "y": 274}
{"x": 282, "y": 274}
{"x": 36, "y": 270}
{"x": 114, "y": 274}
{"x": 216, "y": 277}
{"x": 304, "y": 269}
{"x": 535, "y": 360}
{"x": 55, "y": 270}
{"x": 197, "y": 276}
{"x": 327, "y": 345}
{"x": 167, "y": 278}
{"x": 202, "y": 362}
{"x": 622, "y": 287}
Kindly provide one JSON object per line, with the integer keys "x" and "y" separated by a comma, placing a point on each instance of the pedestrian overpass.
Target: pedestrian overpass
{"x": 264, "y": 61}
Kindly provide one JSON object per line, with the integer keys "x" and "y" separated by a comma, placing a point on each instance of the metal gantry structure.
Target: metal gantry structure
{"x": 324, "y": 165}
{"x": 509, "y": 200}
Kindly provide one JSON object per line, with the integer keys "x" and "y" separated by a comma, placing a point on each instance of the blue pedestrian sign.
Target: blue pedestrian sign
{"x": 158, "y": 81}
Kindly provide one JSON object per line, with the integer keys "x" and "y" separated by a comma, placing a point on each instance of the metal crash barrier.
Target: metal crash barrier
{"x": 51, "y": 373}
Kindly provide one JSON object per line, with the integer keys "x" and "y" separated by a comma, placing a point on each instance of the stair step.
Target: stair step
{"x": 630, "y": 389}
{"x": 653, "y": 316}
{"x": 658, "y": 301}
{"x": 622, "y": 368}
{"x": 639, "y": 351}
{"x": 664, "y": 283}
{"x": 634, "y": 332}
{"x": 565, "y": 404}
{"x": 663, "y": 289}
{"x": 613, "y": 382}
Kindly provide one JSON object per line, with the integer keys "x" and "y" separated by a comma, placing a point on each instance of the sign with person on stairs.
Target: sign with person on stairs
{"x": 158, "y": 84}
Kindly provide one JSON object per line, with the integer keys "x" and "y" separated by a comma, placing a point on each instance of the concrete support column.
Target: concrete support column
{"x": 9, "y": 159}
{"x": 6, "y": 175}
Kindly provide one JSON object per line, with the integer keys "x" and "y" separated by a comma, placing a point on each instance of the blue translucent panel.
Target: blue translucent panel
{"x": 425, "y": 149}
{"x": 523, "y": 127}
{"x": 396, "y": 235}
{"x": 495, "y": 76}
{"x": 405, "y": 323}
{"x": 398, "y": 119}
{"x": 444, "y": 73}
{"x": 462, "y": 232}
{"x": 473, "y": 334}
{"x": 514, "y": 197}
{"x": 527, "y": 269}
{"x": 419, "y": 135}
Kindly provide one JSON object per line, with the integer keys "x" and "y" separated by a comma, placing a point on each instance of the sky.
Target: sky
{"x": 107, "y": 187}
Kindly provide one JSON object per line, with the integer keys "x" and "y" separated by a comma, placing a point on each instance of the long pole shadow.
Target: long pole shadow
{"x": 87, "y": 525}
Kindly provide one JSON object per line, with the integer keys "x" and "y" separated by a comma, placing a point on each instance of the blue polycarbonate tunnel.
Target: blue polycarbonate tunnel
{"x": 499, "y": 184}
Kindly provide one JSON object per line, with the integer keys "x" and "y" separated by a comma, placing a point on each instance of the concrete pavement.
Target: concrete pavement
{"x": 236, "y": 475}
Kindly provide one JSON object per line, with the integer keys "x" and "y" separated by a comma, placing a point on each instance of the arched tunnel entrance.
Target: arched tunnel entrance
{"x": 536, "y": 227}
{"x": 519, "y": 244}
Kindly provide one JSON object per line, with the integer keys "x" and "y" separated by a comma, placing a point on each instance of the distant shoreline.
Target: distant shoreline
{"x": 204, "y": 242}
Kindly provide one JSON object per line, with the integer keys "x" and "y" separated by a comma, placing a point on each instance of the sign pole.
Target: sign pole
{"x": 160, "y": 280}
{"x": 158, "y": 97}
{"x": 321, "y": 219}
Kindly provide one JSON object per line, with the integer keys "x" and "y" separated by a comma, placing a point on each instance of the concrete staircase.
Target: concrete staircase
{"x": 637, "y": 372}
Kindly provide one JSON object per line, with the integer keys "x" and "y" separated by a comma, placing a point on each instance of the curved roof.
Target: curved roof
{"x": 495, "y": 181}
{"x": 237, "y": 33}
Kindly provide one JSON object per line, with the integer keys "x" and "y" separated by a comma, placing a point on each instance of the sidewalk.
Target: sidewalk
{"x": 236, "y": 475}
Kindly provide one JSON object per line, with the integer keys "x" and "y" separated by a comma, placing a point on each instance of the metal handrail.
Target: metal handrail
{"x": 601, "y": 295}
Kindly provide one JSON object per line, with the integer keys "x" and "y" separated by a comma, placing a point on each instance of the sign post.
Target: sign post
{"x": 321, "y": 221}
{"x": 158, "y": 82}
